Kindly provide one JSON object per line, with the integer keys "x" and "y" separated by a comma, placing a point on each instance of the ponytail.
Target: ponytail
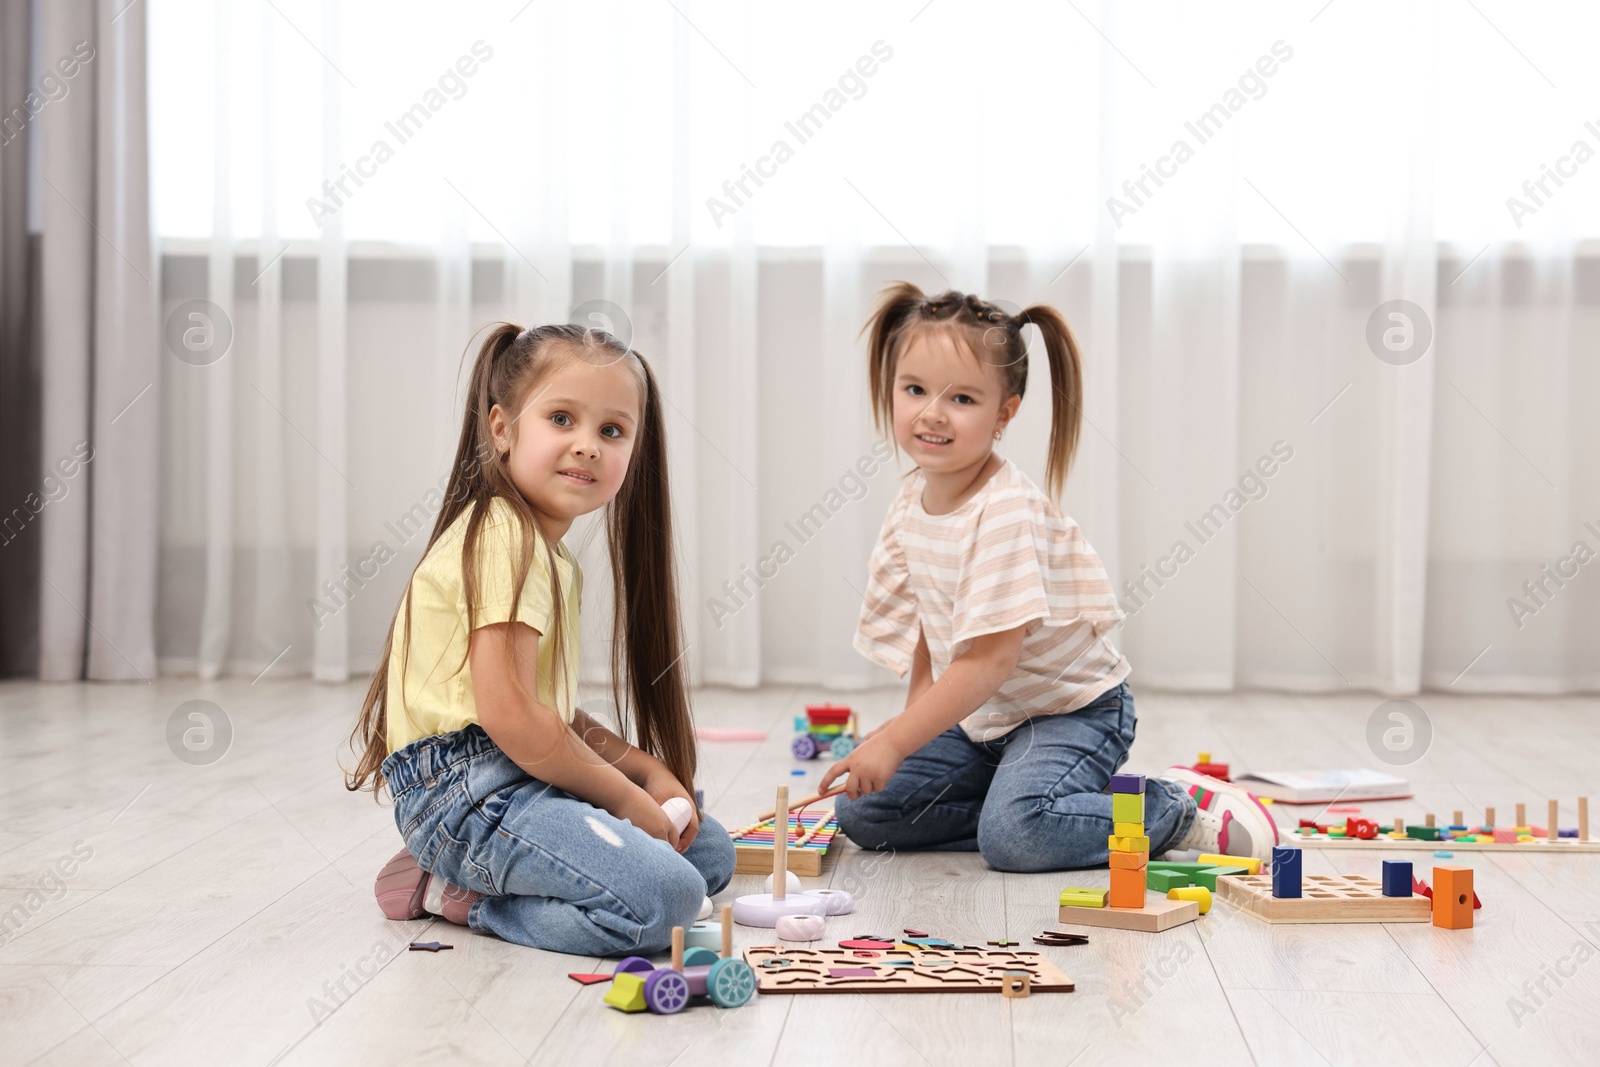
{"x": 1066, "y": 392}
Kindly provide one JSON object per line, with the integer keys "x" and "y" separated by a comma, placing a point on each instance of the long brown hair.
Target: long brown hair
{"x": 646, "y": 646}
{"x": 995, "y": 337}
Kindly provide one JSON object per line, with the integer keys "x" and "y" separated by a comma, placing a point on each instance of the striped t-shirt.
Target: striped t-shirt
{"x": 1007, "y": 557}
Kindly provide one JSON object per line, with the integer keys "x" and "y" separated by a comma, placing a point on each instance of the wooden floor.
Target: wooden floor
{"x": 224, "y": 913}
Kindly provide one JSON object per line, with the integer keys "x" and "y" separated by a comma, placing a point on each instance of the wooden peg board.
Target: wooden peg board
{"x": 753, "y": 849}
{"x": 1541, "y": 845}
{"x": 1325, "y": 898}
{"x": 805, "y": 970}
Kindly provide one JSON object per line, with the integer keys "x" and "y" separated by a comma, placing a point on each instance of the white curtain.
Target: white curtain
{"x": 1290, "y": 487}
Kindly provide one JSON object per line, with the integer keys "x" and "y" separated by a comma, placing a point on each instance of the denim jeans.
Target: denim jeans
{"x": 1033, "y": 800}
{"x": 558, "y": 873}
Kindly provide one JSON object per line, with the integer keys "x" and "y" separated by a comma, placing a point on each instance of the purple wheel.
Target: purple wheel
{"x": 666, "y": 991}
{"x": 633, "y": 964}
{"x": 803, "y": 746}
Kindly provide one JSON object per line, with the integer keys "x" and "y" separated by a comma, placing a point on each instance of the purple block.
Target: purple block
{"x": 851, "y": 972}
{"x": 1127, "y": 783}
{"x": 1567, "y": 833}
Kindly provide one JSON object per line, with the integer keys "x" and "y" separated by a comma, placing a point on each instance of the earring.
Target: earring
{"x": 997, "y": 435}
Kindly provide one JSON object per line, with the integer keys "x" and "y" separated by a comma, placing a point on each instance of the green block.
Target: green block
{"x": 825, "y": 731}
{"x": 1162, "y": 881}
{"x": 1083, "y": 897}
{"x": 1423, "y": 833}
{"x": 1187, "y": 868}
{"x": 1209, "y": 876}
{"x": 1127, "y": 807}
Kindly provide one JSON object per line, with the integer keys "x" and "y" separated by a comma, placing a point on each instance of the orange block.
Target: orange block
{"x": 1128, "y": 886}
{"x": 1452, "y": 897}
{"x": 1129, "y": 861}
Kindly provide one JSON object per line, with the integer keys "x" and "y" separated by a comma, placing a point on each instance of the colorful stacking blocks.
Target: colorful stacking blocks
{"x": 1285, "y": 871}
{"x": 1128, "y": 845}
{"x": 1397, "y": 878}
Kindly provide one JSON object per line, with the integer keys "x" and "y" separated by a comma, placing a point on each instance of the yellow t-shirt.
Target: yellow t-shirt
{"x": 437, "y": 697}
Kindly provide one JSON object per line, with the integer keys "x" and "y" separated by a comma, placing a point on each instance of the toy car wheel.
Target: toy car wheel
{"x": 633, "y": 965}
{"x": 842, "y": 747}
{"x": 730, "y": 982}
{"x": 803, "y": 747}
{"x": 666, "y": 992}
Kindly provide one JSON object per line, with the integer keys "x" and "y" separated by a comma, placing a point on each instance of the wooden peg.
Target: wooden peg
{"x": 677, "y": 949}
{"x": 1522, "y": 814}
{"x": 1458, "y": 818}
{"x": 1399, "y": 825}
{"x": 1550, "y": 821}
{"x": 1488, "y": 816}
{"x": 780, "y": 845}
{"x": 1583, "y": 818}
{"x": 1428, "y": 819}
{"x": 727, "y": 930}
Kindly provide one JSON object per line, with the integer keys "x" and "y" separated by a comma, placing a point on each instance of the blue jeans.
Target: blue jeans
{"x": 557, "y": 873}
{"x": 1033, "y": 800}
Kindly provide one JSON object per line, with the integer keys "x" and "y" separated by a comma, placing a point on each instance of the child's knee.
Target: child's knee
{"x": 1023, "y": 840}
{"x": 867, "y": 821}
{"x": 670, "y": 896}
{"x": 713, "y": 855}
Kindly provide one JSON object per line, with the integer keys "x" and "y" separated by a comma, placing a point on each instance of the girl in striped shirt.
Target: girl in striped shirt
{"x": 1019, "y": 709}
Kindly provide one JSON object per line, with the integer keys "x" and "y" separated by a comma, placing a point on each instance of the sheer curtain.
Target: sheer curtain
{"x": 1295, "y": 482}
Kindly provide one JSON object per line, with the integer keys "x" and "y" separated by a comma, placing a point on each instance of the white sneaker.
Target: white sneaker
{"x": 1228, "y": 820}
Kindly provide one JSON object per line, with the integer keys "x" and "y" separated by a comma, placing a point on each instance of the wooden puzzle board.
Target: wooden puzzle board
{"x": 753, "y": 850}
{"x": 1325, "y": 898}
{"x": 1412, "y": 844}
{"x": 940, "y": 970}
{"x": 1157, "y": 915}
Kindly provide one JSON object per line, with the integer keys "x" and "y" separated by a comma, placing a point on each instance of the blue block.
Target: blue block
{"x": 1397, "y": 878}
{"x": 1127, "y": 783}
{"x": 1285, "y": 871}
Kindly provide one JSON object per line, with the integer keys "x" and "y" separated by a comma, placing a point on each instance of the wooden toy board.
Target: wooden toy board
{"x": 782, "y": 969}
{"x": 1411, "y": 844}
{"x": 1156, "y": 915}
{"x": 1325, "y": 898}
{"x": 753, "y": 848}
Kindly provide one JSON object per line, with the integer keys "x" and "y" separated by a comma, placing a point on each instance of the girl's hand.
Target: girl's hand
{"x": 870, "y": 767}
{"x": 661, "y": 785}
{"x": 643, "y": 811}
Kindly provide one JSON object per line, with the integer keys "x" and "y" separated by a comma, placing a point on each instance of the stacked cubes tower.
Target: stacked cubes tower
{"x": 1128, "y": 845}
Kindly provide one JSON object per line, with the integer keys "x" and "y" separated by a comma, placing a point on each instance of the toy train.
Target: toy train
{"x": 830, "y": 728}
{"x": 726, "y": 979}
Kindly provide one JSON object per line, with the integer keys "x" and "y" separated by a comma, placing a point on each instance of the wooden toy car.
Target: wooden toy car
{"x": 825, "y": 727}
{"x": 729, "y": 982}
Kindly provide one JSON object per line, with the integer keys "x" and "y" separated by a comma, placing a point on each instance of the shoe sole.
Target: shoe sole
{"x": 1217, "y": 785}
{"x": 400, "y": 888}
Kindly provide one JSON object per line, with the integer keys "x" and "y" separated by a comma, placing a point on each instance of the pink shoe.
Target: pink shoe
{"x": 400, "y": 887}
{"x": 406, "y": 891}
{"x": 1228, "y": 819}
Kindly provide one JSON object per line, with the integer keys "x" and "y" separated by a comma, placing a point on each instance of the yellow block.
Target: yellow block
{"x": 1127, "y": 829}
{"x": 1249, "y": 863}
{"x": 627, "y": 992}
{"x": 1197, "y": 893}
{"x": 1128, "y": 844}
{"x": 1083, "y": 897}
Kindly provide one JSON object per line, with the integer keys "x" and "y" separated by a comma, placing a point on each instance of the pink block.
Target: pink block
{"x": 1504, "y": 836}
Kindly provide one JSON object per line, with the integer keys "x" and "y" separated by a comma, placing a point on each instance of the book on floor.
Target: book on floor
{"x": 1325, "y": 787}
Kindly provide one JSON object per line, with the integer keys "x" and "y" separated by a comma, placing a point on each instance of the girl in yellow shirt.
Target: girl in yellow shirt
{"x": 522, "y": 815}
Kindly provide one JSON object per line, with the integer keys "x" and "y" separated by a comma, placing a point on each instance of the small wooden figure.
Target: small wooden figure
{"x": 1452, "y": 897}
{"x": 1285, "y": 871}
{"x": 1397, "y": 878}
